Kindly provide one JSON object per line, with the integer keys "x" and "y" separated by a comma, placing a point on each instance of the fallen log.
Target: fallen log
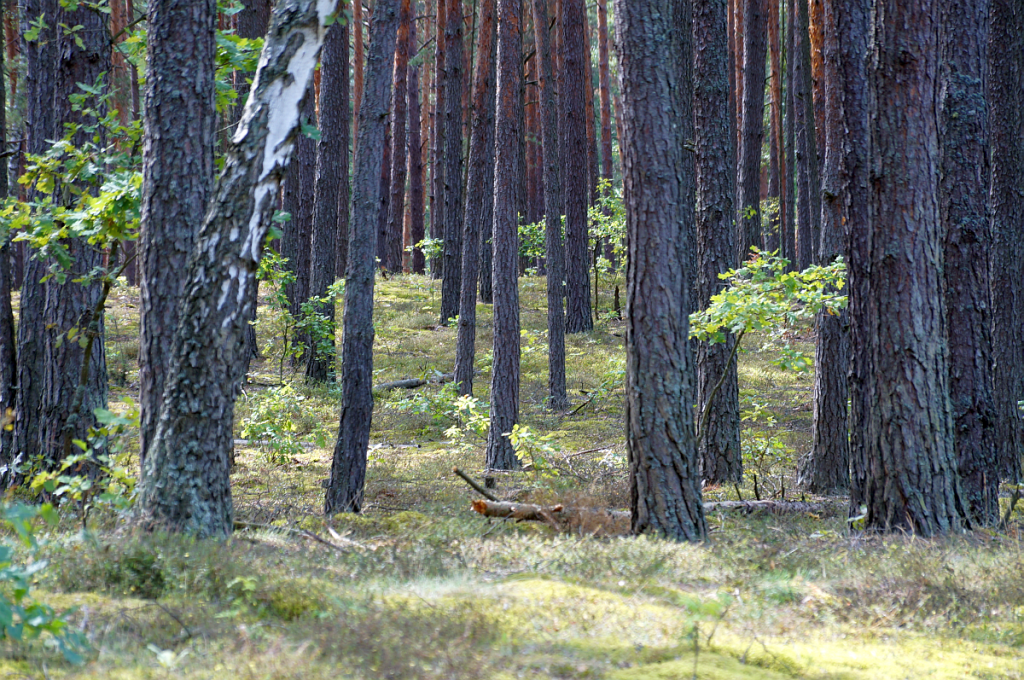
{"x": 413, "y": 383}
{"x": 529, "y": 512}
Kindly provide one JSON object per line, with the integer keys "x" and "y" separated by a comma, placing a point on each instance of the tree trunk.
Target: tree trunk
{"x": 905, "y": 473}
{"x": 593, "y": 173}
{"x": 185, "y": 483}
{"x": 385, "y": 189}
{"x": 776, "y": 163}
{"x": 963, "y": 205}
{"x": 665, "y": 496}
{"x": 358, "y": 64}
{"x": 451, "y": 284}
{"x": 755, "y": 24}
{"x": 554, "y": 250}
{"x": 479, "y": 193}
{"x": 827, "y": 467}
{"x": 604, "y": 79}
{"x": 816, "y": 33}
{"x": 8, "y": 355}
{"x": 788, "y": 238}
{"x": 330, "y": 212}
{"x": 572, "y": 139}
{"x": 809, "y": 210}
{"x": 40, "y": 126}
{"x": 437, "y": 230}
{"x": 505, "y": 368}
{"x": 299, "y": 196}
{"x": 416, "y": 230}
{"x": 399, "y": 145}
{"x": 68, "y": 305}
{"x": 1006, "y": 124}
{"x": 721, "y": 458}
{"x": 348, "y": 468}
{"x": 177, "y": 180}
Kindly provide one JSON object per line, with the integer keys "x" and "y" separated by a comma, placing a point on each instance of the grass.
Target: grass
{"x": 418, "y": 586}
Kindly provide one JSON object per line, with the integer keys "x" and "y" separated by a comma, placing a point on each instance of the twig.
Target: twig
{"x": 188, "y": 631}
{"x": 476, "y": 487}
{"x": 583, "y": 453}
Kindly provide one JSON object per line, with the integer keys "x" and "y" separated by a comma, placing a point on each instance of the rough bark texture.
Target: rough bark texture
{"x": 816, "y": 33}
{"x": 721, "y": 458}
{"x": 399, "y": 146}
{"x": 299, "y": 195}
{"x": 588, "y": 91}
{"x": 180, "y": 133}
{"x": 8, "y": 354}
{"x": 554, "y": 250}
{"x": 963, "y": 205}
{"x": 330, "y": 212}
{"x": 348, "y": 468}
{"x": 185, "y": 482}
{"x": 776, "y": 162}
{"x": 827, "y": 467}
{"x": 70, "y": 305}
{"x": 40, "y": 57}
{"x": 572, "y": 141}
{"x": 505, "y": 369}
{"x": 1006, "y": 126}
{"x": 904, "y": 472}
{"x": 665, "y": 494}
{"x": 604, "y": 79}
{"x": 437, "y": 162}
{"x": 358, "y": 65}
{"x": 479, "y": 193}
{"x": 384, "y": 191}
{"x": 755, "y": 24}
{"x": 809, "y": 210}
{"x": 453, "y": 206}
{"x": 416, "y": 228}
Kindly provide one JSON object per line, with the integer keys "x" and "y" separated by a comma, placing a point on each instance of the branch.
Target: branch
{"x": 476, "y": 487}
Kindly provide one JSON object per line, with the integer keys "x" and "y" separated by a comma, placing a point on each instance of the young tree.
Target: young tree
{"x": 348, "y": 467}
{"x": 554, "y": 250}
{"x": 185, "y": 483}
{"x": 479, "y": 193}
{"x": 400, "y": 108}
{"x": 809, "y": 207}
{"x": 963, "y": 207}
{"x": 451, "y": 284}
{"x": 505, "y": 368}
{"x": 904, "y": 470}
{"x": 846, "y": 28}
{"x": 330, "y": 212}
{"x": 720, "y": 454}
{"x": 180, "y": 133}
{"x": 572, "y": 141}
{"x": 755, "y": 24}
{"x": 1006, "y": 125}
{"x": 665, "y": 494}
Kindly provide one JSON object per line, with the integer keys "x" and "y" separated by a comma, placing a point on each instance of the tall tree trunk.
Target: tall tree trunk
{"x": 572, "y": 139}
{"x": 755, "y": 17}
{"x": 399, "y": 145}
{"x": 80, "y": 59}
{"x": 178, "y": 171}
{"x": 359, "y": 61}
{"x": 40, "y": 126}
{"x": 1006, "y": 124}
{"x": 721, "y": 458}
{"x": 437, "y": 214}
{"x": 385, "y": 189}
{"x": 330, "y": 211}
{"x": 737, "y": 12}
{"x": 827, "y": 467}
{"x": 809, "y": 210}
{"x": 788, "y": 239}
{"x": 963, "y": 205}
{"x": 905, "y": 473}
{"x": 348, "y": 467}
{"x": 665, "y": 495}
{"x": 593, "y": 173}
{"x": 415, "y": 152}
{"x": 299, "y": 196}
{"x": 776, "y": 169}
{"x": 8, "y": 355}
{"x": 604, "y": 79}
{"x": 185, "y": 483}
{"x": 479, "y": 193}
{"x": 451, "y": 284}
{"x": 505, "y": 368}
{"x": 816, "y": 33}
{"x": 554, "y": 250}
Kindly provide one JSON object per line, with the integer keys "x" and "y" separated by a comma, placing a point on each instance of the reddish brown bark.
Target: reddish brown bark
{"x": 417, "y": 125}
{"x": 357, "y": 64}
{"x": 399, "y": 154}
{"x": 817, "y": 30}
{"x": 604, "y": 78}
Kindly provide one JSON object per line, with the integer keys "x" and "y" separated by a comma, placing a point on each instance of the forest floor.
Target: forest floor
{"x": 420, "y": 586}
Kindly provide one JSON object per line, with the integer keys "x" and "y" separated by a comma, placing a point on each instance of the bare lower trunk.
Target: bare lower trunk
{"x": 348, "y": 468}
{"x": 755, "y": 15}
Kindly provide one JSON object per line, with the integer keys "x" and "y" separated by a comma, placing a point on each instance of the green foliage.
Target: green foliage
{"x": 531, "y": 239}
{"x": 765, "y": 454}
{"x": 272, "y": 421}
{"x": 534, "y": 450}
{"x": 22, "y": 618}
{"x": 608, "y": 225}
{"x": 432, "y": 248}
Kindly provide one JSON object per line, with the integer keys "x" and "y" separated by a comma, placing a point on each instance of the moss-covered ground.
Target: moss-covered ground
{"x": 418, "y": 586}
